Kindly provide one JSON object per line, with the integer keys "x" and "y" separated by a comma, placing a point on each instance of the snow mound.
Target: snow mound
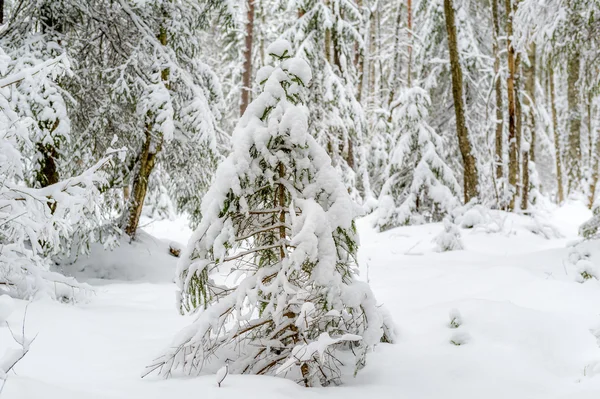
{"x": 147, "y": 259}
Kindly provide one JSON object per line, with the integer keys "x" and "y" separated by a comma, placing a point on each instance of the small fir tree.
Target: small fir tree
{"x": 271, "y": 269}
{"x": 418, "y": 186}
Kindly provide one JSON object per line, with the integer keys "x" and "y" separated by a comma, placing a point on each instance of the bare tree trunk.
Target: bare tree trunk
{"x": 557, "y": 151}
{"x": 371, "y": 58}
{"x": 150, "y": 150}
{"x": 359, "y": 61}
{"x": 498, "y": 88}
{"x": 529, "y": 99}
{"x": 574, "y": 150}
{"x": 395, "y": 72}
{"x": 247, "y": 74}
{"x": 513, "y": 156}
{"x": 518, "y": 120}
{"x": 1, "y": 11}
{"x": 470, "y": 167}
{"x": 410, "y": 47}
{"x": 595, "y": 173}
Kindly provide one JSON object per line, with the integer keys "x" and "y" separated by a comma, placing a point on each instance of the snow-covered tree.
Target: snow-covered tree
{"x": 419, "y": 185}
{"x": 326, "y": 35}
{"x": 271, "y": 270}
{"x": 36, "y": 223}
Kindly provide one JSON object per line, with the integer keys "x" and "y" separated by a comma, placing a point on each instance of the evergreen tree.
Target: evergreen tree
{"x": 279, "y": 221}
{"x": 419, "y": 186}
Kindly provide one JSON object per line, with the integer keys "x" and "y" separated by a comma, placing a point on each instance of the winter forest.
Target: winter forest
{"x": 299, "y": 198}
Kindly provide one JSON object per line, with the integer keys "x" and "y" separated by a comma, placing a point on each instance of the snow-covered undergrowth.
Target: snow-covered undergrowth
{"x": 510, "y": 316}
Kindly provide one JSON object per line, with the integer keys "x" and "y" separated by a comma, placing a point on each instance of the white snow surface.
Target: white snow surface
{"x": 529, "y": 328}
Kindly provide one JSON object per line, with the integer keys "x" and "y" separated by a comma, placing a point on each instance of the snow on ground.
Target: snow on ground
{"x": 526, "y": 327}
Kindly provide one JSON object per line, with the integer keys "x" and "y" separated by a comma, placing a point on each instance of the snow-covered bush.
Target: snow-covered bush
{"x": 449, "y": 239}
{"x": 418, "y": 185}
{"x": 586, "y": 270}
{"x": 278, "y": 221}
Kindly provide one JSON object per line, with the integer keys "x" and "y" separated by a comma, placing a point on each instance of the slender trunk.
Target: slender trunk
{"x": 557, "y": 151}
{"x": 247, "y": 74}
{"x": 513, "y": 161}
{"x": 464, "y": 143}
{"x": 1, "y": 11}
{"x": 395, "y": 73}
{"x": 589, "y": 127}
{"x": 359, "y": 61}
{"x": 529, "y": 100}
{"x": 150, "y": 149}
{"x": 498, "y": 89}
{"x": 574, "y": 150}
{"x": 525, "y": 191}
{"x": 595, "y": 173}
{"x": 518, "y": 119}
{"x": 409, "y": 26}
{"x": 371, "y": 58}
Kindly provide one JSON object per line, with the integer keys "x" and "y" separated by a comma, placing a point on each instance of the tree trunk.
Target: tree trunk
{"x": 557, "y": 151}
{"x": 464, "y": 143}
{"x": 518, "y": 121}
{"x": 574, "y": 150}
{"x": 150, "y": 150}
{"x": 359, "y": 61}
{"x": 513, "y": 157}
{"x": 409, "y": 26}
{"x": 498, "y": 88}
{"x": 525, "y": 191}
{"x": 529, "y": 100}
{"x": 371, "y": 58}
{"x": 247, "y": 74}
{"x": 595, "y": 173}
{"x": 395, "y": 72}
{"x": 1, "y": 11}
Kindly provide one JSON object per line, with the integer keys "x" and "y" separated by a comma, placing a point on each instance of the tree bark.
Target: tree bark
{"x": 513, "y": 156}
{"x": 150, "y": 149}
{"x": 410, "y": 48}
{"x": 595, "y": 173}
{"x": 498, "y": 88}
{"x": 529, "y": 100}
{"x": 395, "y": 72}
{"x": 574, "y": 150}
{"x": 464, "y": 143}
{"x": 247, "y": 53}
{"x": 557, "y": 151}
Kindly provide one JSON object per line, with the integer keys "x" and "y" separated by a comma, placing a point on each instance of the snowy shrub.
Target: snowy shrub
{"x": 460, "y": 338}
{"x": 455, "y": 318}
{"x": 418, "y": 185}
{"x": 279, "y": 222}
{"x": 586, "y": 270}
{"x": 449, "y": 239}
{"x": 471, "y": 218}
{"x": 589, "y": 229}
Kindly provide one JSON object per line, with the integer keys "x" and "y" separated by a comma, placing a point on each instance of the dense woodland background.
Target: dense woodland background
{"x": 115, "y": 108}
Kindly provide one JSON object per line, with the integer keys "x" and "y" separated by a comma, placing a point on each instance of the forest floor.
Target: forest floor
{"x": 529, "y": 327}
